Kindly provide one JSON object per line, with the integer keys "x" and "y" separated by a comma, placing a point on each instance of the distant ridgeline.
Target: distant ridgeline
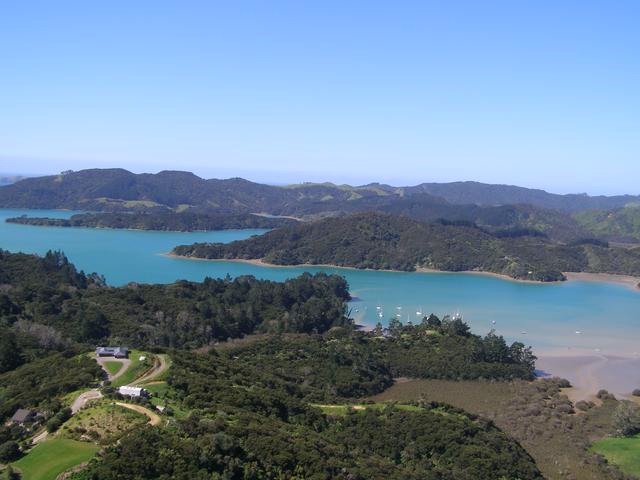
{"x": 169, "y": 221}
{"x": 494, "y": 207}
{"x": 379, "y": 241}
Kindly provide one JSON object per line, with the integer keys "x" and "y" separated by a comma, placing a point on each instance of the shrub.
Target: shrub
{"x": 626, "y": 419}
{"x": 53, "y": 424}
{"x": 584, "y": 406}
{"x": 636, "y": 392}
{"x": 605, "y": 395}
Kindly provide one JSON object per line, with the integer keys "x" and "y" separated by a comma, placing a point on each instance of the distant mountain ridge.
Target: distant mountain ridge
{"x": 109, "y": 188}
{"x": 495, "y": 207}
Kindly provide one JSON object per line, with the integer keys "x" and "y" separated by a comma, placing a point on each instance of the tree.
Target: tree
{"x": 432, "y": 321}
{"x": 395, "y": 327}
{"x": 10, "y": 352}
{"x": 495, "y": 348}
{"x": 379, "y": 330}
{"x": 9, "y": 451}
{"x": 93, "y": 325}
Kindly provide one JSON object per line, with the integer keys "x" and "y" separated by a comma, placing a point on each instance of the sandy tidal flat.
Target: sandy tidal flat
{"x": 590, "y": 373}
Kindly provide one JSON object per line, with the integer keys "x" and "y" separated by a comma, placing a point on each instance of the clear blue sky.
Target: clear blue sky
{"x": 537, "y": 93}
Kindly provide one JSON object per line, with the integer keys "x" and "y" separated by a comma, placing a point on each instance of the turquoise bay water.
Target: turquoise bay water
{"x": 608, "y": 315}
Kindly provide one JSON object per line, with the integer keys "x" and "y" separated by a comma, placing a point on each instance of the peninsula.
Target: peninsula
{"x": 387, "y": 242}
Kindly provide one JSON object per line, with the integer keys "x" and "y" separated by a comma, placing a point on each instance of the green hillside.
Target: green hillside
{"x": 620, "y": 225}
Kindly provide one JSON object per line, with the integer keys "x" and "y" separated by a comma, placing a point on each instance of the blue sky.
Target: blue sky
{"x": 536, "y": 93}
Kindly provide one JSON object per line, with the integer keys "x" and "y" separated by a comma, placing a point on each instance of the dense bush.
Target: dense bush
{"x": 447, "y": 350}
{"x": 48, "y": 306}
{"x": 253, "y": 417}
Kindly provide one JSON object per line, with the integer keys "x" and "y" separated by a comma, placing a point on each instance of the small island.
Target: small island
{"x": 161, "y": 221}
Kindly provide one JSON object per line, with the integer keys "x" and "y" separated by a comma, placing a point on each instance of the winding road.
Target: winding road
{"x": 160, "y": 364}
{"x": 154, "y": 418}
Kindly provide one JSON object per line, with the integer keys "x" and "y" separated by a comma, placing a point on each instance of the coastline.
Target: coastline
{"x": 629, "y": 281}
{"x": 261, "y": 263}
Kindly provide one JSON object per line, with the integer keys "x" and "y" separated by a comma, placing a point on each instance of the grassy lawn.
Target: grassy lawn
{"x": 623, "y": 452}
{"x": 158, "y": 390}
{"x": 136, "y": 368}
{"x": 113, "y": 366}
{"x": 49, "y": 459}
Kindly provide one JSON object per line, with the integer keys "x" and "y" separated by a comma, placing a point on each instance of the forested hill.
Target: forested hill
{"x": 380, "y": 241}
{"x": 118, "y": 189}
{"x": 168, "y": 221}
{"x": 489, "y": 194}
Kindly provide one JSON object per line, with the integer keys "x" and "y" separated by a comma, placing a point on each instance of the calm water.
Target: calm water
{"x": 607, "y": 315}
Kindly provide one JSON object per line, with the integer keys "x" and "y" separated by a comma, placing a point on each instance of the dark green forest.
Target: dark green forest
{"x": 48, "y": 305}
{"x": 252, "y": 409}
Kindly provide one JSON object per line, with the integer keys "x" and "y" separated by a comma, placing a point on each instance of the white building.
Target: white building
{"x": 132, "y": 391}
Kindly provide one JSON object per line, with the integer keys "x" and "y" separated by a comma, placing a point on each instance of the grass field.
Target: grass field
{"x": 113, "y": 366}
{"x": 52, "y": 457}
{"x": 136, "y": 368}
{"x": 624, "y": 452}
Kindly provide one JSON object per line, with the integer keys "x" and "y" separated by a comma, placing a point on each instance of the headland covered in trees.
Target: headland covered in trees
{"x": 382, "y": 241}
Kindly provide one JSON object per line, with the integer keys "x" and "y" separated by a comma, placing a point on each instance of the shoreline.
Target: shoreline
{"x": 261, "y": 263}
{"x": 627, "y": 280}
{"x": 131, "y": 229}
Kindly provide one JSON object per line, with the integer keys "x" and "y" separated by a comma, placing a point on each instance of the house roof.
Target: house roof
{"x": 127, "y": 390}
{"x": 21, "y": 415}
{"x": 112, "y": 349}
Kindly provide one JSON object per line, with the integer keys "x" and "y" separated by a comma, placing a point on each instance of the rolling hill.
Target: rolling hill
{"x": 493, "y": 207}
